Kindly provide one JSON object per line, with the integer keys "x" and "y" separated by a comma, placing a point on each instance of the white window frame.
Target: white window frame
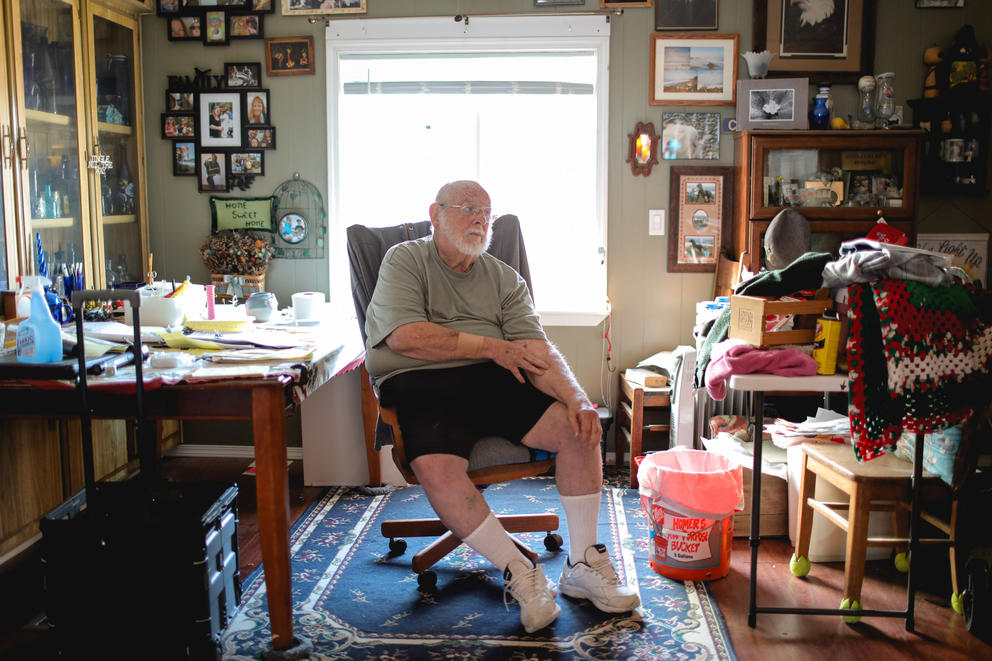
{"x": 443, "y": 33}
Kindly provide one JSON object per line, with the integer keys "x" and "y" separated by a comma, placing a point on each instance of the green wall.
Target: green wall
{"x": 653, "y": 309}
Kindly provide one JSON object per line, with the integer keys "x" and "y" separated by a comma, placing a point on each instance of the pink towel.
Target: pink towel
{"x": 738, "y": 357}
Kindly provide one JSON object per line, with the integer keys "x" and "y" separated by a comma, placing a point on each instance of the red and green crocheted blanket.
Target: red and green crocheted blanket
{"x": 919, "y": 359}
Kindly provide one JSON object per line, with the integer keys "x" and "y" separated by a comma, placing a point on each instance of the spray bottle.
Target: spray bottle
{"x": 39, "y": 339}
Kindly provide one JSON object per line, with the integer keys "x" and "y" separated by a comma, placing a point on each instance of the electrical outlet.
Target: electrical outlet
{"x": 656, "y": 222}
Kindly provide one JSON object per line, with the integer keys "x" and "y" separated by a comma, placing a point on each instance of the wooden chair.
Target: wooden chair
{"x": 492, "y": 460}
{"x": 728, "y": 275}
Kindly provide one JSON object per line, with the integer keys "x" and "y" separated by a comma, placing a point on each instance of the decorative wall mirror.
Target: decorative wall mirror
{"x": 643, "y": 154}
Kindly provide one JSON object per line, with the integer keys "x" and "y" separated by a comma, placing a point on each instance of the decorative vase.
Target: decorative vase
{"x": 757, "y": 63}
{"x": 884, "y": 99}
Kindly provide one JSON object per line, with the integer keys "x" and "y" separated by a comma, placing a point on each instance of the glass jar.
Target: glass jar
{"x": 884, "y": 99}
{"x": 866, "y": 103}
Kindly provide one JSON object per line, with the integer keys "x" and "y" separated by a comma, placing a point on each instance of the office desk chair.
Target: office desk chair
{"x": 492, "y": 459}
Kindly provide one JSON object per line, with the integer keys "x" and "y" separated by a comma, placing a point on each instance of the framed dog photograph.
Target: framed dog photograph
{"x": 220, "y": 119}
{"x": 289, "y": 56}
{"x": 690, "y": 135}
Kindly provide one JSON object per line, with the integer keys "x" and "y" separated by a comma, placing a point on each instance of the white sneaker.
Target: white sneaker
{"x": 530, "y": 588}
{"x": 594, "y": 578}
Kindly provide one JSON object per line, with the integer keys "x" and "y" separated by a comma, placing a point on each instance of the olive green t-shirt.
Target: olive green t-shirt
{"x": 415, "y": 285}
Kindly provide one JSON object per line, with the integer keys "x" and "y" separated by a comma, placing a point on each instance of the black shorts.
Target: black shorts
{"x": 447, "y": 410}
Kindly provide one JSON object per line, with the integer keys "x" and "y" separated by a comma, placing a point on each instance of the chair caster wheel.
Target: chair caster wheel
{"x": 553, "y": 542}
{"x": 427, "y": 581}
{"x": 799, "y": 566}
{"x": 852, "y": 605}
{"x": 397, "y": 547}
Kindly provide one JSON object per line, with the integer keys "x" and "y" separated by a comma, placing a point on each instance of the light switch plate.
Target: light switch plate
{"x": 656, "y": 222}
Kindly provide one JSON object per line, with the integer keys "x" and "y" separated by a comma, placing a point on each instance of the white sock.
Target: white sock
{"x": 491, "y": 541}
{"x": 582, "y": 517}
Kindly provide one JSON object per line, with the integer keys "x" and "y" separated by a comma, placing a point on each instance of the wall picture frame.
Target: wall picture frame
{"x": 700, "y": 217}
{"x": 242, "y": 75}
{"x": 837, "y": 48}
{"x": 558, "y": 3}
{"x": 212, "y": 171}
{"x": 246, "y": 26}
{"x": 180, "y": 101}
{"x": 309, "y": 7}
{"x": 216, "y": 31}
{"x": 679, "y": 15}
{"x": 247, "y": 162}
{"x": 258, "y": 111}
{"x": 694, "y": 135}
{"x": 289, "y": 56}
{"x": 620, "y": 4}
{"x": 261, "y": 137}
{"x": 178, "y": 125}
{"x": 183, "y": 28}
{"x": 220, "y": 123}
{"x": 939, "y": 4}
{"x": 772, "y": 103}
{"x": 184, "y": 158}
{"x": 263, "y": 6}
{"x": 693, "y": 69}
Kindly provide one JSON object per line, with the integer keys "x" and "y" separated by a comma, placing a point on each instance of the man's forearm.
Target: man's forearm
{"x": 558, "y": 381}
{"x": 428, "y": 341}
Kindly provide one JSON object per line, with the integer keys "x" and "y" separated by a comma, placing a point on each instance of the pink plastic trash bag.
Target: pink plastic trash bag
{"x": 695, "y": 482}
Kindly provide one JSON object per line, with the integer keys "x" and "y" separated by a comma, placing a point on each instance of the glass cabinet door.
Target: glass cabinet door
{"x": 8, "y": 220}
{"x": 56, "y": 240}
{"x": 118, "y": 207}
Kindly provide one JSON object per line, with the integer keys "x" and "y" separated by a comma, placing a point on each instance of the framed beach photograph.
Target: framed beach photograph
{"x": 305, "y": 7}
{"x": 772, "y": 103}
{"x": 686, "y": 14}
{"x": 212, "y": 173}
{"x": 289, "y": 56}
{"x": 257, "y": 110}
{"x": 183, "y": 28}
{"x": 262, "y": 137}
{"x": 690, "y": 135}
{"x": 242, "y": 74}
{"x": 830, "y": 42}
{"x": 220, "y": 119}
{"x": 701, "y": 216}
{"x": 245, "y": 26}
{"x": 215, "y": 28}
{"x": 183, "y": 158}
{"x": 693, "y": 70}
{"x": 248, "y": 162}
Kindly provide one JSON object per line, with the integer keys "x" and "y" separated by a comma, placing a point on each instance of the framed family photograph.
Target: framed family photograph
{"x": 183, "y": 158}
{"x": 242, "y": 74}
{"x": 700, "y": 211}
{"x": 690, "y": 135}
{"x": 305, "y": 7}
{"x": 289, "y": 56}
{"x": 179, "y": 101}
{"x": 220, "y": 119}
{"x": 184, "y": 28}
{"x": 249, "y": 162}
{"x": 176, "y": 125}
{"x": 245, "y": 26}
{"x": 693, "y": 70}
{"x": 216, "y": 28}
{"x": 262, "y": 137}
{"x": 257, "y": 108}
{"x": 686, "y": 15}
{"x": 772, "y": 103}
{"x": 213, "y": 171}
{"x": 834, "y": 42}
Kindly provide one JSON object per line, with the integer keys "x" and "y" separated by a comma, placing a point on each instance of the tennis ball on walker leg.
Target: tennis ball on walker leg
{"x": 799, "y": 566}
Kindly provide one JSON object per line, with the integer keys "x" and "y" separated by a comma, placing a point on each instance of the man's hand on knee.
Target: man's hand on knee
{"x": 585, "y": 422}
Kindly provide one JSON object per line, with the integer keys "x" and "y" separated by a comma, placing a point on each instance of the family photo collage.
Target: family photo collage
{"x": 214, "y": 22}
{"x": 220, "y": 135}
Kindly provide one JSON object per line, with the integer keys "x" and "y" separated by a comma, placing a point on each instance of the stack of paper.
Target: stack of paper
{"x": 825, "y": 427}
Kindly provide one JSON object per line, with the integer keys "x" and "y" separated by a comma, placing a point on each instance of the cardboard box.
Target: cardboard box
{"x": 774, "y": 507}
{"x": 748, "y": 313}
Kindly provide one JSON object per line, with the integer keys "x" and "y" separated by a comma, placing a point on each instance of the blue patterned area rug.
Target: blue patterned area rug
{"x": 353, "y": 601}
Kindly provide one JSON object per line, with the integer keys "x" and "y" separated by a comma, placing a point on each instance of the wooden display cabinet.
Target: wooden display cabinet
{"x": 841, "y": 181}
{"x": 955, "y": 154}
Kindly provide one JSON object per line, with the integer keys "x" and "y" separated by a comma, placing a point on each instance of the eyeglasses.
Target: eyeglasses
{"x": 469, "y": 210}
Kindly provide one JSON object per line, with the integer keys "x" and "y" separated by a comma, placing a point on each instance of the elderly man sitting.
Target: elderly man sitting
{"x": 455, "y": 346}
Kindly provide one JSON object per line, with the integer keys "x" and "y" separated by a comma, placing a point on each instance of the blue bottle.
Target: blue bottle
{"x": 819, "y": 116}
{"x": 39, "y": 339}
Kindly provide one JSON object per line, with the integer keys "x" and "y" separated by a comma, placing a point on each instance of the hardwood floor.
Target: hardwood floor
{"x": 940, "y": 633}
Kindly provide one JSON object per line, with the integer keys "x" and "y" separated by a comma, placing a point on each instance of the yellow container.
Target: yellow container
{"x": 826, "y": 341}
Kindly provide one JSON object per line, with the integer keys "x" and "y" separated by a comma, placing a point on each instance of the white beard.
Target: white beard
{"x": 814, "y": 11}
{"x": 473, "y": 243}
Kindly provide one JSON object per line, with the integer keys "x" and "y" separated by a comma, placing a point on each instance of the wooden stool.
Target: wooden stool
{"x": 881, "y": 484}
{"x": 632, "y": 400}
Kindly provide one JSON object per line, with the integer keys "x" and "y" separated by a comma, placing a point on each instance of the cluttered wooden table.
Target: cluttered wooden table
{"x": 222, "y": 369}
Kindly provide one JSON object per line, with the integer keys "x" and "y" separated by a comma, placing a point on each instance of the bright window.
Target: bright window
{"x": 516, "y": 103}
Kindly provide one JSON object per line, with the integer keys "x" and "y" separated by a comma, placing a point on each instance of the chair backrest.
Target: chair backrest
{"x": 367, "y": 246}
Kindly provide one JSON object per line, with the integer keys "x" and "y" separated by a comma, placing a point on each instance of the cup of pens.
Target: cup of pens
{"x": 72, "y": 278}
